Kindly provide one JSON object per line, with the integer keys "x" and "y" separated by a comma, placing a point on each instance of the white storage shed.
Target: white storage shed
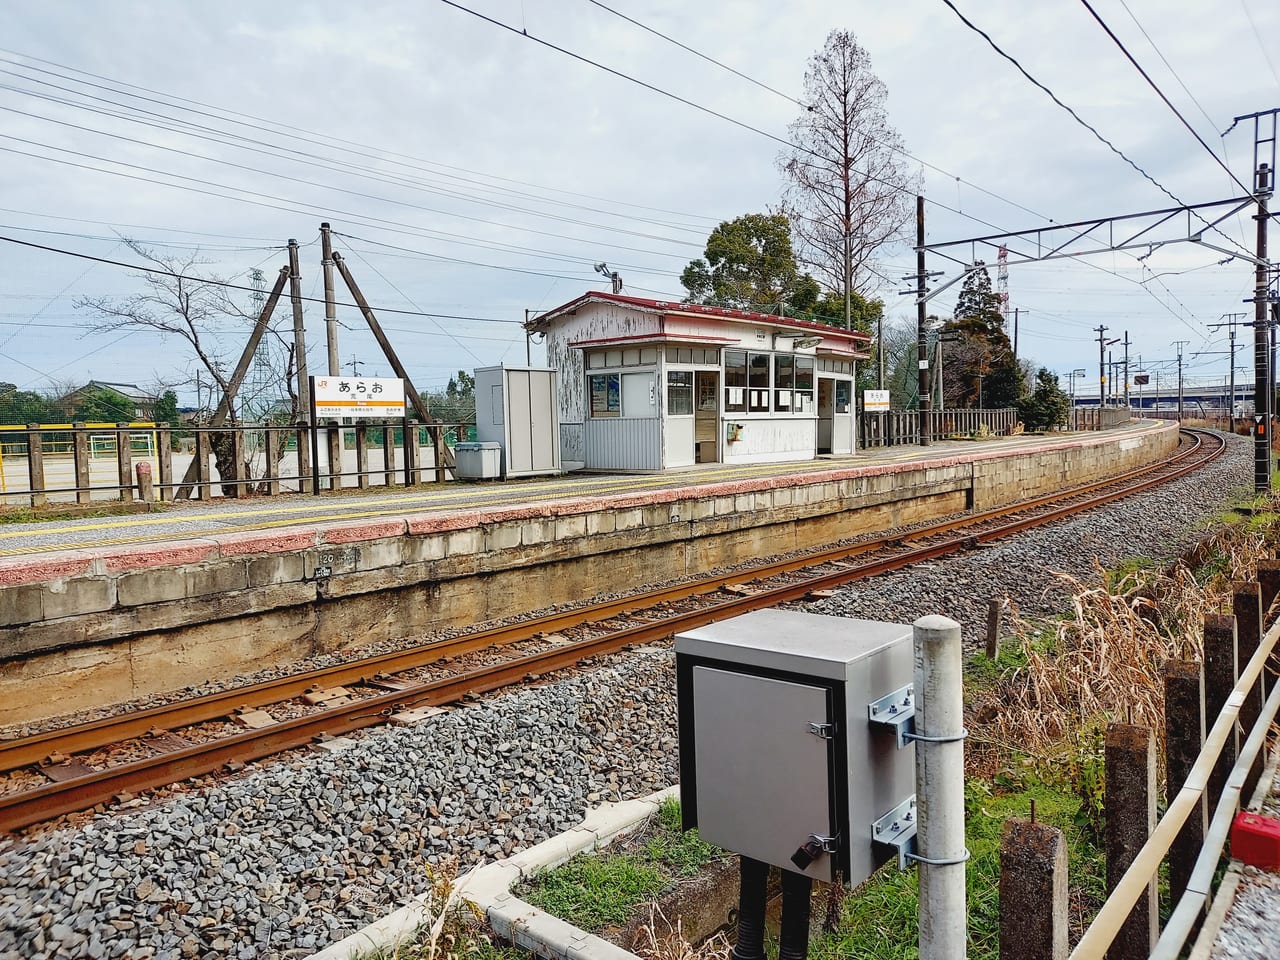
{"x": 517, "y": 408}
{"x": 646, "y": 385}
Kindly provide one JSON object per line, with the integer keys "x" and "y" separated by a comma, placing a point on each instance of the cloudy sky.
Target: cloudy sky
{"x": 472, "y": 173}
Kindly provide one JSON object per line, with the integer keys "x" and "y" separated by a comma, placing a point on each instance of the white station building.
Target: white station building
{"x": 647, "y": 385}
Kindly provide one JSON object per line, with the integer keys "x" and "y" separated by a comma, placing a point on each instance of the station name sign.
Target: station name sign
{"x": 381, "y": 397}
{"x": 875, "y": 401}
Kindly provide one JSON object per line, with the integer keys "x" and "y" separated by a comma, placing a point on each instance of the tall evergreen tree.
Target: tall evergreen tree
{"x": 978, "y": 362}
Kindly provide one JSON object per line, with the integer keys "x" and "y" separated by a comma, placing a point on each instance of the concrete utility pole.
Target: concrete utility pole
{"x": 1126, "y": 369}
{"x": 922, "y": 345}
{"x": 1232, "y": 321}
{"x": 1102, "y": 364}
{"x": 1016, "y": 311}
{"x": 330, "y": 304}
{"x": 1180, "y": 344}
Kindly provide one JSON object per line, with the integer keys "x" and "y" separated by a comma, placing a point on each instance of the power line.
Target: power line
{"x": 1160, "y": 93}
{"x": 1075, "y": 116}
{"x": 315, "y": 209}
{"x": 238, "y": 286}
{"x": 326, "y": 141}
{"x": 1257, "y": 33}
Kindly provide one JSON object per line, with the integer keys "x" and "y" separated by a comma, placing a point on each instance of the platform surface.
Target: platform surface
{"x": 204, "y": 518}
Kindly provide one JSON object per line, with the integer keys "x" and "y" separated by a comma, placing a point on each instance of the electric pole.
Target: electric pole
{"x": 1016, "y": 311}
{"x": 300, "y": 363}
{"x": 1126, "y": 369}
{"x": 922, "y": 345}
{"x": 1180, "y": 344}
{"x": 330, "y": 303}
{"x": 1231, "y": 324}
{"x": 1102, "y": 364}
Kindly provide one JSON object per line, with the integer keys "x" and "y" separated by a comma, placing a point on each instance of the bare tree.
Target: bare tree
{"x": 848, "y": 189}
{"x": 181, "y": 300}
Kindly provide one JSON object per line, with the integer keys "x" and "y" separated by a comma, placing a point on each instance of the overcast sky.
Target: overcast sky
{"x": 472, "y": 172}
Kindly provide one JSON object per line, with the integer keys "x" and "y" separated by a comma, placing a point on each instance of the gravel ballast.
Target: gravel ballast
{"x": 299, "y": 853}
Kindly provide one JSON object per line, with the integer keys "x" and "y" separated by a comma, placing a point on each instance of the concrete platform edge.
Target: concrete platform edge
{"x": 488, "y": 889}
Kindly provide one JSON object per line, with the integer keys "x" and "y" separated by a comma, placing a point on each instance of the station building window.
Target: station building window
{"x": 679, "y": 392}
{"x": 735, "y": 381}
{"x": 758, "y": 383}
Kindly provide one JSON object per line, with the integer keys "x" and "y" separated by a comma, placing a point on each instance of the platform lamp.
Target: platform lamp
{"x": 614, "y": 277}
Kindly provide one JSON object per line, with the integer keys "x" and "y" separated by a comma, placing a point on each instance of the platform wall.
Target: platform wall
{"x": 105, "y": 626}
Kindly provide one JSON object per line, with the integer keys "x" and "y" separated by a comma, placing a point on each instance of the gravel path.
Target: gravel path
{"x": 298, "y": 853}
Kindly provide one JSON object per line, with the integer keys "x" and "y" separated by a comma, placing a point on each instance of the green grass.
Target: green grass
{"x": 880, "y": 922}
{"x": 71, "y": 511}
{"x": 603, "y": 889}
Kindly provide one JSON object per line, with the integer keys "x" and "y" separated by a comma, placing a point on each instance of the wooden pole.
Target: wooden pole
{"x": 238, "y": 375}
{"x": 335, "y": 433}
{"x": 419, "y": 407}
{"x": 300, "y": 361}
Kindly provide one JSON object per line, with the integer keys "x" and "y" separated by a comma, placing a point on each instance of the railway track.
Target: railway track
{"x": 80, "y": 767}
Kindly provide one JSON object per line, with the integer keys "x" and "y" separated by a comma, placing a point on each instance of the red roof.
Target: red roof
{"x": 695, "y": 309}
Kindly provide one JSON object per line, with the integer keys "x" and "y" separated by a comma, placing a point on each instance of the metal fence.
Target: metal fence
{"x": 903, "y": 426}
{"x": 126, "y": 461}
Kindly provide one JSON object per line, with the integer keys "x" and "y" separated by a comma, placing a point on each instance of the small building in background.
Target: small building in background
{"x": 101, "y": 400}
{"x": 647, "y": 385}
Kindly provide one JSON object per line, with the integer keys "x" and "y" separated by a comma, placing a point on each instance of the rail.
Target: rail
{"x": 897, "y": 427}
{"x": 84, "y": 462}
{"x": 1106, "y": 924}
{"x": 816, "y": 571}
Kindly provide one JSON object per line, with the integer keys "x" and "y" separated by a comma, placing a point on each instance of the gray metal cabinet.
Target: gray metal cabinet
{"x": 516, "y": 407}
{"x": 776, "y": 747}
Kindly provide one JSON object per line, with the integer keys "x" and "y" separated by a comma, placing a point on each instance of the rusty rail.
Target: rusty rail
{"x": 80, "y": 792}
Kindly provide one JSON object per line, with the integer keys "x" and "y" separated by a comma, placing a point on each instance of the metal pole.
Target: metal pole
{"x": 1262, "y": 402}
{"x": 330, "y": 304}
{"x": 1126, "y": 369}
{"x": 940, "y": 787}
{"x": 922, "y": 345}
{"x": 1102, "y": 364}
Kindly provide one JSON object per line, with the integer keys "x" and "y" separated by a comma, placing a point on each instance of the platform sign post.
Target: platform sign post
{"x": 336, "y": 397}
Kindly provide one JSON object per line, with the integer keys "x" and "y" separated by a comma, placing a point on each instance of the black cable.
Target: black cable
{"x": 237, "y": 286}
{"x": 1160, "y": 93}
{"x": 1075, "y": 116}
{"x": 278, "y": 152}
{"x": 316, "y": 211}
{"x": 328, "y": 142}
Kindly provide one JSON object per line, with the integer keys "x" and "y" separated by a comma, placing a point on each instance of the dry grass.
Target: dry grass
{"x": 1103, "y": 663}
{"x": 660, "y": 940}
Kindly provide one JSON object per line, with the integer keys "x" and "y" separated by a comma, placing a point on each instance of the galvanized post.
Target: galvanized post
{"x": 939, "y": 734}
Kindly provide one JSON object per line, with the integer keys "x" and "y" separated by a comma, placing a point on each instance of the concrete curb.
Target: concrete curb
{"x": 488, "y": 889}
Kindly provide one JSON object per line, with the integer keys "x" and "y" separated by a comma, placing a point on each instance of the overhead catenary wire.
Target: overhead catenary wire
{"x": 1160, "y": 93}
{"x": 1075, "y": 116}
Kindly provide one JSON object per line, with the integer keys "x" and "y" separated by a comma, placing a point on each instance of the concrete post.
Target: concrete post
{"x": 272, "y": 470}
{"x": 1268, "y": 575}
{"x": 940, "y": 787}
{"x": 1033, "y": 892}
{"x": 1184, "y": 736}
{"x": 994, "y": 606}
{"x": 362, "y": 456}
{"x": 1246, "y": 604}
{"x": 80, "y": 455}
{"x": 124, "y": 461}
{"x": 1131, "y": 816}
{"x": 164, "y": 460}
{"x": 1219, "y": 680}
{"x": 146, "y": 488}
{"x": 35, "y": 465}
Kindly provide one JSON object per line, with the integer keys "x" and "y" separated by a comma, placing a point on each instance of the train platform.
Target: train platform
{"x": 210, "y": 518}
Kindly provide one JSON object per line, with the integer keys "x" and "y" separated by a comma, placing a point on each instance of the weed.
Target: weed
{"x": 594, "y": 892}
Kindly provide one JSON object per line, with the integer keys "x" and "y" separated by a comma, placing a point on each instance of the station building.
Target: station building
{"x": 646, "y": 385}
